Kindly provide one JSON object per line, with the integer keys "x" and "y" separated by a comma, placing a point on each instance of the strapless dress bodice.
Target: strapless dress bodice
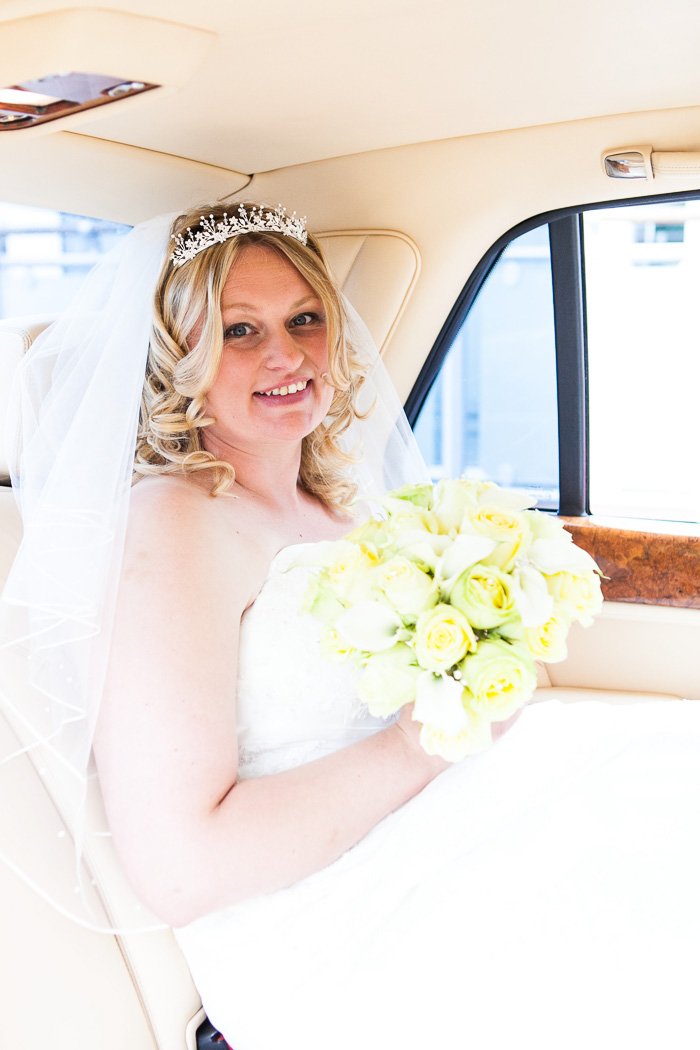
{"x": 293, "y": 705}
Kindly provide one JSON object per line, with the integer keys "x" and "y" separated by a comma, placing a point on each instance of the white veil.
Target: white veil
{"x": 72, "y": 436}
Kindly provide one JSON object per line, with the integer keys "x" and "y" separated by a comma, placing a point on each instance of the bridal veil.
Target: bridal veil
{"x": 72, "y": 434}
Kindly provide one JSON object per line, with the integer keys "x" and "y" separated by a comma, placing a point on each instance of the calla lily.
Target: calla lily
{"x": 508, "y": 498}
{"x": 532, "y": 598}
{"x": 546, "y": 526}
{"x": 371, "y": 627}
{"x": 439, "y": 703}
{"x": 424, "y": 548}
{"x": 464, "y": 552}
{"x": 453, "y": 500}
{"x": 557, "y": 555}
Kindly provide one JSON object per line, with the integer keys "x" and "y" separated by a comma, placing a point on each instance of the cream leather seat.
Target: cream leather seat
{"x": 61, "y": 985}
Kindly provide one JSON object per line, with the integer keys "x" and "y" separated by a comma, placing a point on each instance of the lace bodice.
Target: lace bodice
{"x": 293, "y": 705}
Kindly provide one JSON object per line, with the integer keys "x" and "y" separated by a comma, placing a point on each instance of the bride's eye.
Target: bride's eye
{"x": 237, "y": 331}
{"x": 302, "y": 320}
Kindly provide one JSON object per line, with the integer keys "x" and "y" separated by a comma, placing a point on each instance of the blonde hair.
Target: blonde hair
{"x": 178, "y": 376}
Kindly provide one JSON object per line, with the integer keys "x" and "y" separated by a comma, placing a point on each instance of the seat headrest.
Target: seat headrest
{"x": 16, "y": 336}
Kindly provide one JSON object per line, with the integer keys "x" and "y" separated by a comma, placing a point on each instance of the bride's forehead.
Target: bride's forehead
{"x": 260, "y": 269}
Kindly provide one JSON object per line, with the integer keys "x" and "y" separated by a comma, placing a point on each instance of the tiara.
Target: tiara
{"x": 257, "y": 220}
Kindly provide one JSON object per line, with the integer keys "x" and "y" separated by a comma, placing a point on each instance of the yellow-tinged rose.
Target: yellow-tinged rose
{"x": 334, "y": 647}
{"x": 350, "y": 576}
{"x": 509, "y": 528}
{"x": 406, "y": 517}
{"x": 548, "y": 642}
{"x": 407, "y": 588}
{"x": 455, "y": 747}
{"x": 577, "y": 597}
{"x": 501, "y": 678}
{"x": 485, "y": 596}
{"x": 389, "y": 680}
{"x": 443, "y": 637}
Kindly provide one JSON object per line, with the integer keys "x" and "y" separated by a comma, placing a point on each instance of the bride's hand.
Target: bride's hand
{"x": 410, "y": 729}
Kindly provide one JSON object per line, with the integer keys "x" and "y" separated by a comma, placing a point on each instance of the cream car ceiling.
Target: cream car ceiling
{"x": 272, "y": 84}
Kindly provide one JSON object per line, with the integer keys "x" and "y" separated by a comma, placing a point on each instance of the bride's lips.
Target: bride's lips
{"x": 277, "y": 400}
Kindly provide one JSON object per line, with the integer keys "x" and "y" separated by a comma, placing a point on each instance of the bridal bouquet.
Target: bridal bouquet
{"x": 447, "y": 603}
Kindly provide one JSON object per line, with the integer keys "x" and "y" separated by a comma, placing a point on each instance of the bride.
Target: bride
{"x": 331, "y": 885}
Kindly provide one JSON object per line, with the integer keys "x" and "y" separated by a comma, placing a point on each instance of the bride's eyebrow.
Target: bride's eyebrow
{"x": 305, "y": 300}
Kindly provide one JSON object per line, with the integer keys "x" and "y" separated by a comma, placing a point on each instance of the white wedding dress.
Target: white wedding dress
{"x": 544, "y": 894}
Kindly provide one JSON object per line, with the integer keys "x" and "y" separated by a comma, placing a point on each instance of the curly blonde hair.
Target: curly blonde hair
{"x": 178, "y": 375}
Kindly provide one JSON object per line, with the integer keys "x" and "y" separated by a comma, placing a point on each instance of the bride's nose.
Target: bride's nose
{"x": 283, "y": 351}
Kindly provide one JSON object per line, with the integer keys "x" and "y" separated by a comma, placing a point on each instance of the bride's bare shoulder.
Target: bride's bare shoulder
{"x": 179, "y": 527}
{"x": 168, "y": 494}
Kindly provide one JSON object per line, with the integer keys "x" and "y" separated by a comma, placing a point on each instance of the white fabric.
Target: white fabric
{"x": 274, "y": 731}
{"x": 71, "y": 444}
{"x": 542, "y": 894}
{"x": 71, "y": 450}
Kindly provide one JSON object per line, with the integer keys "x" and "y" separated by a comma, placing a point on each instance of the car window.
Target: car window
{"x": 492, "y": 411}
{"x": 643, "y": 320}
{"x": 574, "y": 371}
{"x": 44, "y": 256}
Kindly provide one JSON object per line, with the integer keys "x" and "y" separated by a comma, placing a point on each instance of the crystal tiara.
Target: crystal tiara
{"x": 257, "y": 220}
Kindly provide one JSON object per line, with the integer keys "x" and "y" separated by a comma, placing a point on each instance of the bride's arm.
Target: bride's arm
{"x": 191, "y": 839}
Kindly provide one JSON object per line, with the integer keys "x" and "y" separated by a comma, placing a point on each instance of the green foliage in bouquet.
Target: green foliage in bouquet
{"x": 447, "y": 603}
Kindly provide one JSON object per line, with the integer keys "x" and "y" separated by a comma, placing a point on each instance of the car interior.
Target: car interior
{"x": 437, "y": 149}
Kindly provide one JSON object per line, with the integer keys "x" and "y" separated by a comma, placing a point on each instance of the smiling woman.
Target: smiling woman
{"x": 281, "y": 322}
{"x": 275, "y": 354}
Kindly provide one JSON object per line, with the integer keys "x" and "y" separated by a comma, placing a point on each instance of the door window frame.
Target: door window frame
{"x": 569, "y": 306}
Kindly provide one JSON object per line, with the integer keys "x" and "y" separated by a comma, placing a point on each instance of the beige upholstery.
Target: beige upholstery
{"x": 356, "y": 254}
{"x": 16, "y": 336}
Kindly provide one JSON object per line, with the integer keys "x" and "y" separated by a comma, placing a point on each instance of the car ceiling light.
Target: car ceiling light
{"x": 33, "y": 102}
{"x": 626, "y": 165}
{"x": 643, "y": 162}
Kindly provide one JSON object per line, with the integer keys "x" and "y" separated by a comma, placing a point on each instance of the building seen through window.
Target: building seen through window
{"x": 44, "y": 256}
{"x": 492, "y": 411}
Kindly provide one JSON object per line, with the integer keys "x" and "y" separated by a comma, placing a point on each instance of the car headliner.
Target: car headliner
{"x": 273, "y": 84}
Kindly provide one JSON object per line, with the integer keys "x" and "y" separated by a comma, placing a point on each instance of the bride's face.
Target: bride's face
{"x": 269, "y": 384}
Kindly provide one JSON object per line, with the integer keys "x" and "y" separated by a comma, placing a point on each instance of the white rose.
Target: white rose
{"x": 407, "y": 588}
